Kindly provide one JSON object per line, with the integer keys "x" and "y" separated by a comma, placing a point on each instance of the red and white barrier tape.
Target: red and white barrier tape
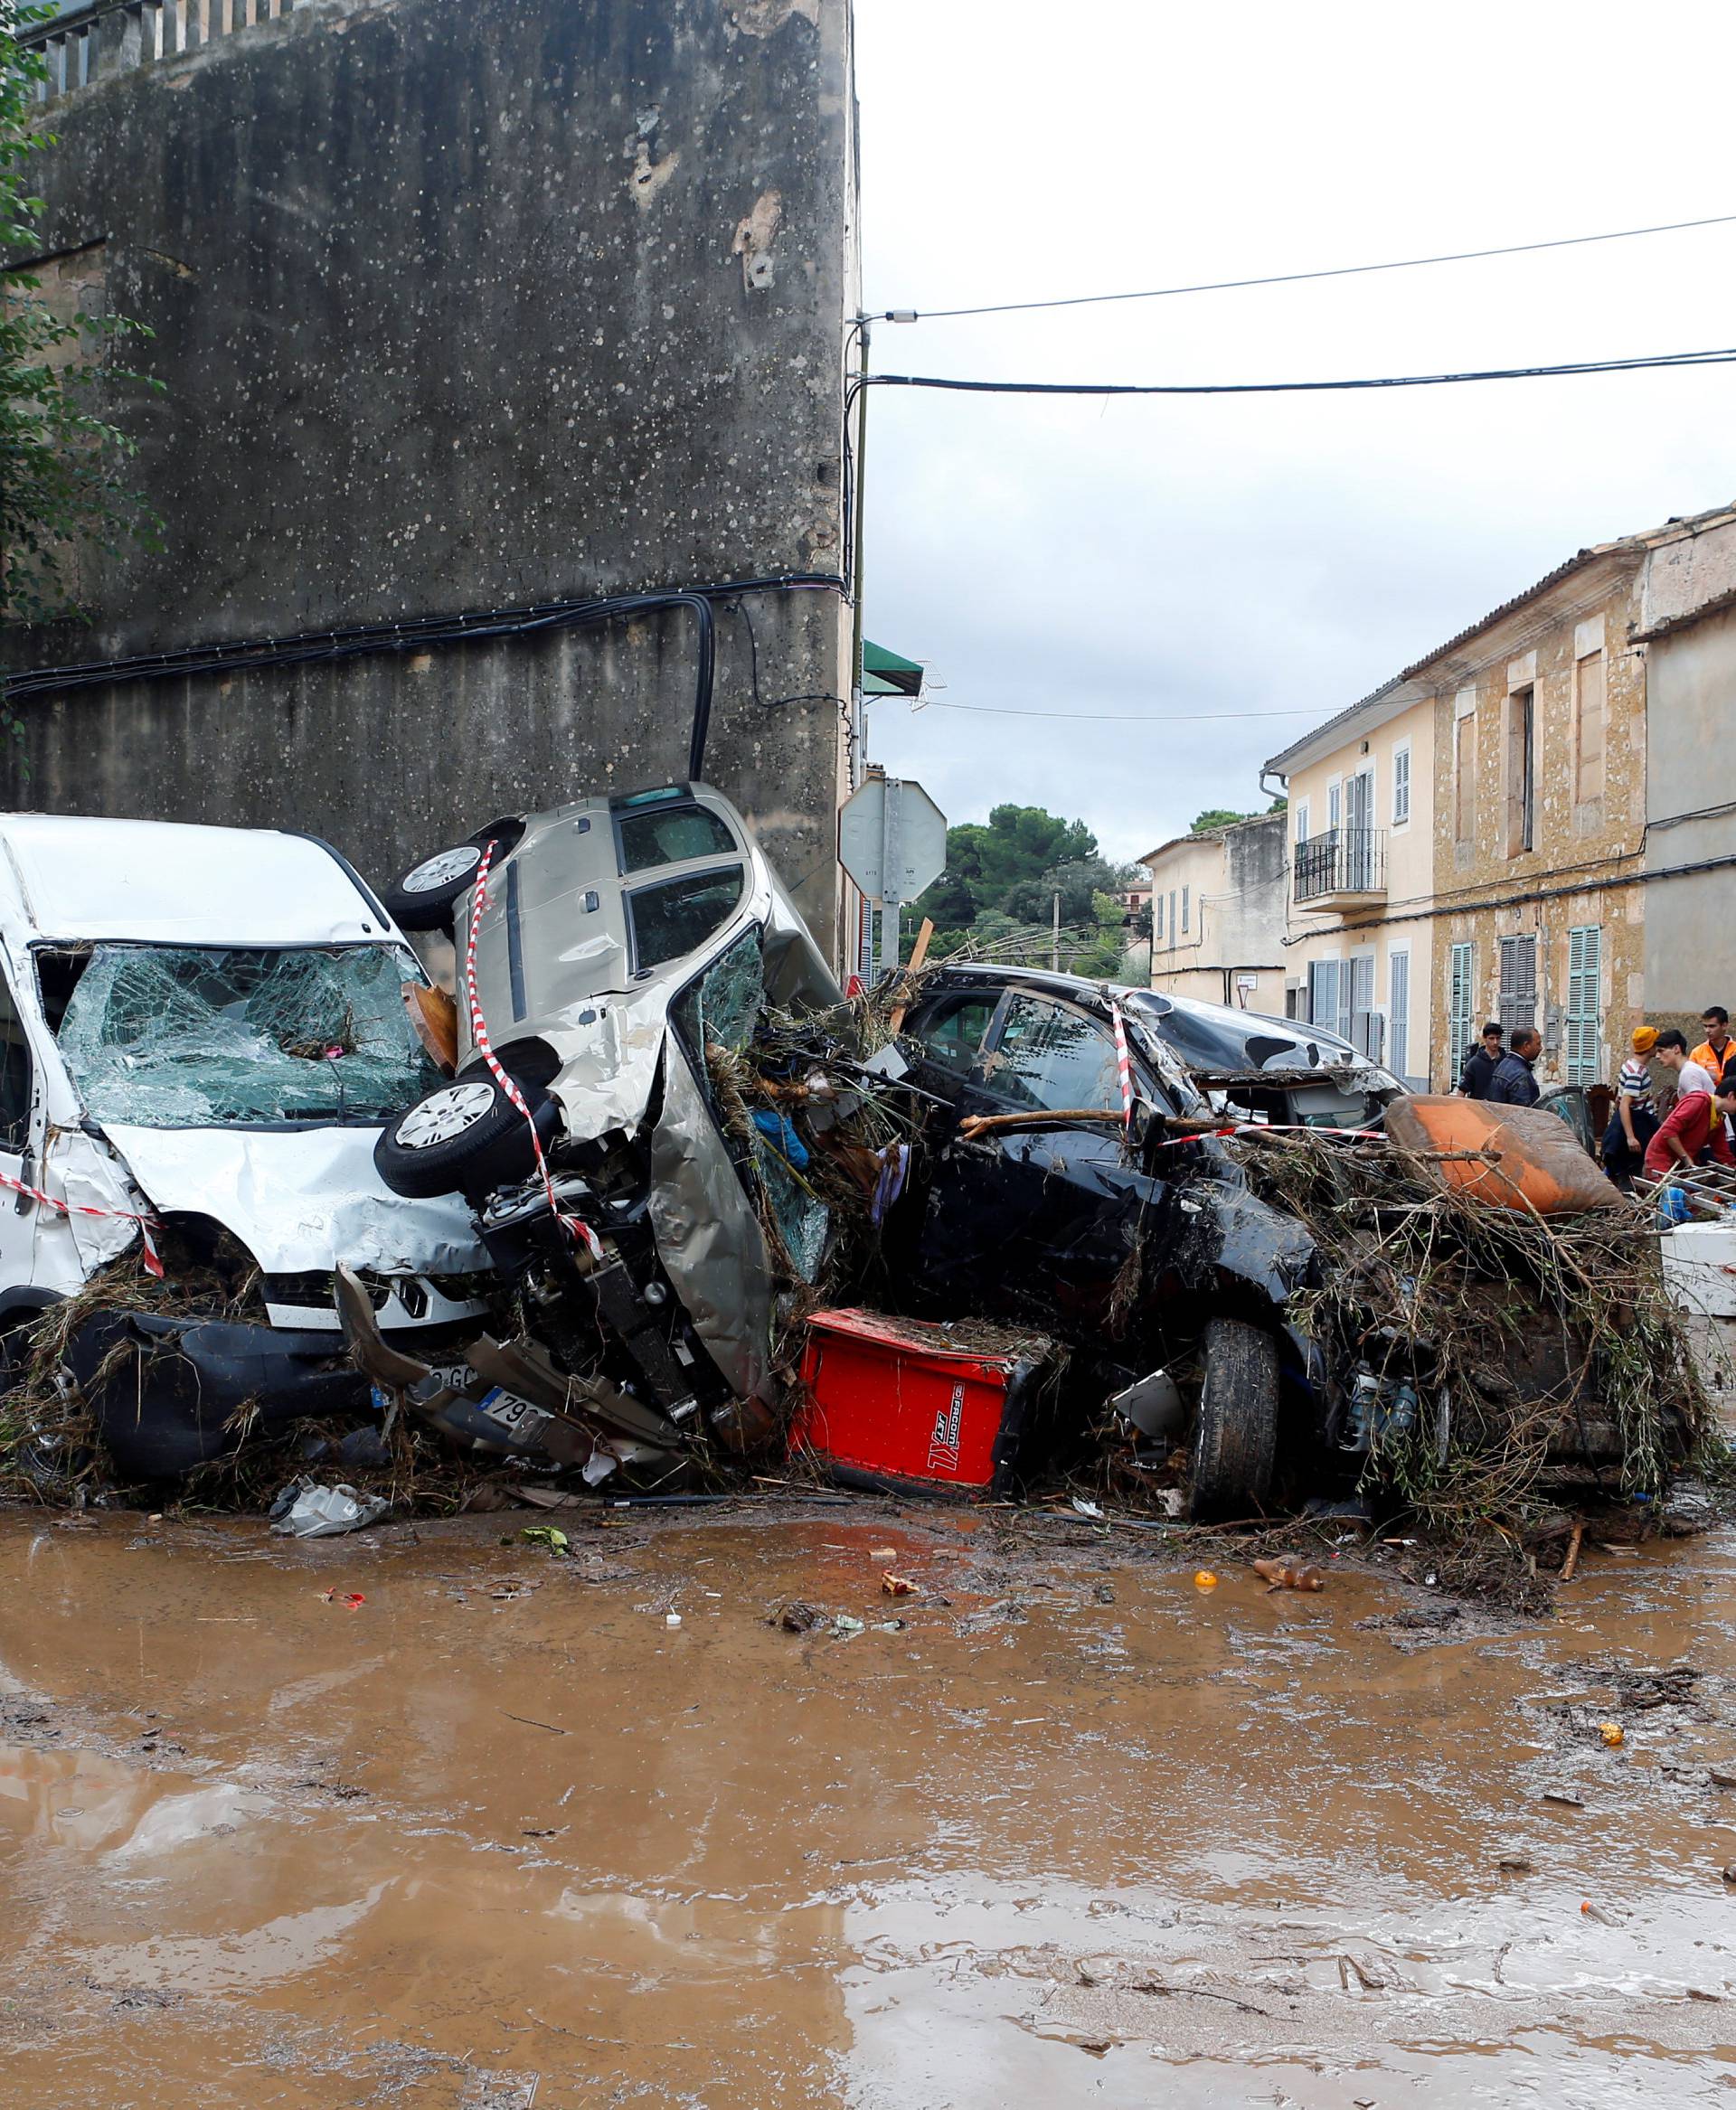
{"x": 575, "y": 1228}
{"x": 1123, "y": 1063}
{"x": 1237, "y": 1128}
{"x": 152, "y": 1259}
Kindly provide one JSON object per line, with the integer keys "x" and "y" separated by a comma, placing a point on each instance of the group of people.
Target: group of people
{"x": 1674, "y": 1106}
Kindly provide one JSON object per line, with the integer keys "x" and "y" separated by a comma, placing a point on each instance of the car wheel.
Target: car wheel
{"x": 426, "y": 896}
{"x": 463, "y": 1138}
{"x": 1235, "y": 1435}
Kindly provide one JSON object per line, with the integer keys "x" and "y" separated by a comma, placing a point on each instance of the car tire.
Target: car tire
{"x": 464, "y": 1137}
{"x": 427, "y": 896}
{"x": 1235, "y": 1433}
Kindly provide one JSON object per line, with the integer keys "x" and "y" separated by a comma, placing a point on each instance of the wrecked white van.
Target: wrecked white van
{"x": 201, "y": 1031}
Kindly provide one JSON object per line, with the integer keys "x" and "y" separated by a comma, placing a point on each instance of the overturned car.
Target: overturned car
{"x": 615, "y": 951}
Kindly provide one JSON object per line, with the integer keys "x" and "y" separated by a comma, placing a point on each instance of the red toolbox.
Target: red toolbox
{"x": 902, "y": 1404}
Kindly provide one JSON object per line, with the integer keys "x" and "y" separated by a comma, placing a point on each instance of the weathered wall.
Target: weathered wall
{"x": 1691, "y": 815}
{"x": 462, "y": 306}
{"x": 1235, "y": 879}
{"x": 1589, "y": 843}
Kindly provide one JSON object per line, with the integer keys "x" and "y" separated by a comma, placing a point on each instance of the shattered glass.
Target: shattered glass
{"x": 723, "y": 1006}
{"x": 173, "y": 1037}
{"x": 801, "y": 1219}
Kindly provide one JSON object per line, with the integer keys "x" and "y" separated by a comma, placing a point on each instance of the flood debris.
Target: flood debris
{"x": 656, "y": 1214}
{"x": 304, "y": 1509}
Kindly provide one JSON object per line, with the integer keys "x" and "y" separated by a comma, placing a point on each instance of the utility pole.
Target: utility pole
{"x": 1054, "y": 942}
{"x": 892, "y": 870}
{"x": 857, "y": 759}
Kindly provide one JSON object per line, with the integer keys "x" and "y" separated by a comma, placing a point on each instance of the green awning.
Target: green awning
{"x": 884, "y": 673}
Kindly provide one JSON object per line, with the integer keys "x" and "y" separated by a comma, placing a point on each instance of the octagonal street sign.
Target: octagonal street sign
{"x": 891, "y": 838}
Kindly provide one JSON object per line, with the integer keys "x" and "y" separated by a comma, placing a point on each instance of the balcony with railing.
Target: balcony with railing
{"x": 89, "y": 40}
{"x": 1345, "y": 868}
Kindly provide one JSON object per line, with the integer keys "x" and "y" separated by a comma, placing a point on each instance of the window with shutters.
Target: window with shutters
{"x": 1517, "y": 1005}
{"x": 1464, "y": 778}
{"x": 1588, "y": 730}
{"x": 1302, "y": 820}
{"x": 1583, "y": 1052}
{"x": 1401, "y": 786}
{"x": 1364, "y": 1019}
{"x": 1521, "y": 799}
{"x": 1184, "y": 922}
{"x": 1172, "y": 915}
{"x": 1461, "y": 999}
{"x": 1397, "y": 1009}
{"x": 1323, "y": 994}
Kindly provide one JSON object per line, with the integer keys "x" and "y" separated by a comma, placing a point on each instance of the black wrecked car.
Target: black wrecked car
{"x": 1132, "y": 1237}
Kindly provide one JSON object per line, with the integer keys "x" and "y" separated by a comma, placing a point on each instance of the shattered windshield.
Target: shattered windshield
{"x": 173, "y": 1037}
{"x": 1207, "y": 1043}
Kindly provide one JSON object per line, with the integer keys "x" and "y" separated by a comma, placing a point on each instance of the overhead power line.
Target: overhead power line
{"x": 1285, "y": 388}
{"x": 1110, "y": 717}
{"x": 1517, "y": 249}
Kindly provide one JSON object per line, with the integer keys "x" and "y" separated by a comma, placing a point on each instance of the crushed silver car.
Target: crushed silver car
{"x": 610, "y": 951}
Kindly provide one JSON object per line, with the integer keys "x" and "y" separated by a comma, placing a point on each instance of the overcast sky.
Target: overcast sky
{"x": 1180, "y": 561}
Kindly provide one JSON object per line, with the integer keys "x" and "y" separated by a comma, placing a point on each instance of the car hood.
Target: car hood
{"x": 299, "y": 1200}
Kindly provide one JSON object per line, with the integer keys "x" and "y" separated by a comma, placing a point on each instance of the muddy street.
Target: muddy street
{"x": 1065, "y": 1827}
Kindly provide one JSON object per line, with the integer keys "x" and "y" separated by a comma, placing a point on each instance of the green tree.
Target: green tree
{"x": 1078, "y": 883}
{"x": 1223, "y": 816}
{"x": 61, "y": 462}
{"x": 985, "y": 860}
{"x": 1102, "y": 958}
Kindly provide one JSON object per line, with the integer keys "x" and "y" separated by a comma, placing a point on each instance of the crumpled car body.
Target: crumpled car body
{"x": 204, "y": 1028}
{"x": 1267, "y": 1070}
{"x": 623, "y": 946}
{"x": 1041, "y": 1207}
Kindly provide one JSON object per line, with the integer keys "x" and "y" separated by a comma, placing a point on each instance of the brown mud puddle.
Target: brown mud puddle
{"x": 501, "y": 1836}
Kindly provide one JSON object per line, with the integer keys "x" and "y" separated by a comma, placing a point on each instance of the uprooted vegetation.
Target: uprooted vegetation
{"x": 1539, "y": 1355}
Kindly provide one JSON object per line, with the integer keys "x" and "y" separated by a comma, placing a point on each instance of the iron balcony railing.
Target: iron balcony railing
{"x": 1344, "y": 861}
{"x": 89, "y": 40}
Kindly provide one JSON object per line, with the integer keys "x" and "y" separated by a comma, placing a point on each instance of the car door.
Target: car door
{"x": 1036, "y": 1223}
{"x": 949, "y": 1031}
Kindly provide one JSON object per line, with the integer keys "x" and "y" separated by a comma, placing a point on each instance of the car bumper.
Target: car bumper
{"x": 170, "y": 1394}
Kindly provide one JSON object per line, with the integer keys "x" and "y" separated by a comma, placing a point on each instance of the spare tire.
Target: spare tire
{"x": 425, "y": 897}
{"x": 465, "y": 1138}
{"x": 1235, "y": 1432}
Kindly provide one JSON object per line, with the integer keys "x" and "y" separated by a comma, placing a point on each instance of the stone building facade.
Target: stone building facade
{"x": 476, "y": 311}
{"x": 1540, "y": 814}
{"x": 1571, "y": 820}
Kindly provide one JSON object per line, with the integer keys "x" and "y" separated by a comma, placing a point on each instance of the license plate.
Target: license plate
{"x": 511, "y": 1411}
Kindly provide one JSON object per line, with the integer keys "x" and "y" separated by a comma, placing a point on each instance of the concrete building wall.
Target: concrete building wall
{"x": 1563, "y": 649}
{"x": 1229, "y": 950}
{"x": 1690, "y": 941}
{"x": 463, "y": 307}
{"x": 1399, "y": 928}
